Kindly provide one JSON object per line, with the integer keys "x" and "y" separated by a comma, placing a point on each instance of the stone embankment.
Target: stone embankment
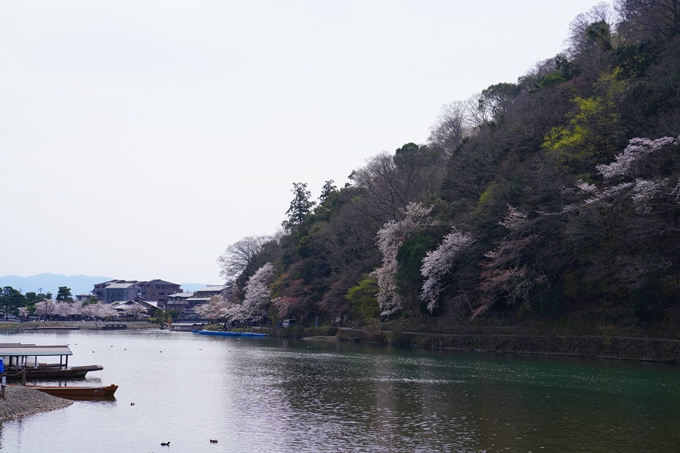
{"x": 73, "y": 325}
{"x": 592, "y": 346}
{"x": 21, "y": 401}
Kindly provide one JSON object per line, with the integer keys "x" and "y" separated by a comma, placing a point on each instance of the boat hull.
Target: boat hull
{"x": 230, "y": 334}
{"x": 75, "y": 372}
{"x": 77, "y": 392}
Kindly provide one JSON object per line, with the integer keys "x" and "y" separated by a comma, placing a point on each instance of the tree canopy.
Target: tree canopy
{"x": 532, "y": 198}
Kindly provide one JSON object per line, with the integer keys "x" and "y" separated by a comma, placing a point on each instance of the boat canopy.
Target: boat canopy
{"x": 22, "y": 350}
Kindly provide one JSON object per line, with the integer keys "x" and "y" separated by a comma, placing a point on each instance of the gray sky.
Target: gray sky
{"x": 138, "y": 139}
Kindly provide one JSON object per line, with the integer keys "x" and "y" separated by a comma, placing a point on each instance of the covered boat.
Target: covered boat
{"x": 18, "y": 358}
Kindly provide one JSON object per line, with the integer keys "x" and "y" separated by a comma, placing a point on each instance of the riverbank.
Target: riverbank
{"x": 587, "y": 346}
{"x": 20, "y": 401}
{"x": 73, "y": 325}
{"x": 596, "y": 334}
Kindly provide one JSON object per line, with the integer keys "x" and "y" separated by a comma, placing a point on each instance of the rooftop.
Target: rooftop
{"x": 18, "y": 349}
{"x": 184, "y": 295}
{"x": 212, "y": 288}
{"x": 119, "y": 285}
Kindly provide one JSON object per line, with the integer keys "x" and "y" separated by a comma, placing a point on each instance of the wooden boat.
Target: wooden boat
{"x": 58, "y": 372}
{"x": 77, "y": 392}
{"x": 229, "y": 334}
{"x": 21, "y": 360}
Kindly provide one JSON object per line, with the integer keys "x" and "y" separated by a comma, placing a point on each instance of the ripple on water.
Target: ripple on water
{"x": 283, "y": 396}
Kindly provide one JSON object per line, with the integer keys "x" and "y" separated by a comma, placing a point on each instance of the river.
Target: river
{"x": 272, "y": 395}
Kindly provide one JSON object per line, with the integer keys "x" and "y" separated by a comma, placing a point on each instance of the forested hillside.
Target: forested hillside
{"x": 530, "y": 200}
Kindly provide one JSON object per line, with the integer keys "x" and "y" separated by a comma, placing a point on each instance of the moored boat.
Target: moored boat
{"x": 21, "y": 360}
{"x": 229, "y": 334}
{"x": 77, "y": 392}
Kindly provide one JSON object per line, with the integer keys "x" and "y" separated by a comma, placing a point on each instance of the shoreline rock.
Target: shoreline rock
{"x": 20, "y": 402}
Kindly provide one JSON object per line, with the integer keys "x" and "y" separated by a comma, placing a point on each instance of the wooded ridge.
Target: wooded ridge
{"x": 537, "y": 201}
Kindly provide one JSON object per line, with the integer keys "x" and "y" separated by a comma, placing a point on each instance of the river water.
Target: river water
{"x": 272, "y": 395}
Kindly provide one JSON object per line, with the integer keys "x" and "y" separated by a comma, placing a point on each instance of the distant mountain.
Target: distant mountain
{"x": 79, "y": 284}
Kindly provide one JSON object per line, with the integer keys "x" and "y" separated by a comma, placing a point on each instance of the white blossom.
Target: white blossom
{"x": 514, "y": 220}
{"x": 106, "y": 312}
{"x": 99, "y": 311}
{"x": 258, "y": 296}
{"x": 586, "y": 187}
{"x": 643, "y": 192}
{"x": 389, "y": 238}
{"x": 23, "y": 312}
{"x": 437, "y": 263}
{"x": 45, "y": 309}
{"x": 62, "y": 309}
{"x": 213, "y": 310}
{"x": 135, "y": 310}
{"x": 675, "y": 193}
{"x": 624, "y": 162}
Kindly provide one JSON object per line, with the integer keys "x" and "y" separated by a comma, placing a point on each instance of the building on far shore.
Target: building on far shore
{"x": 203, "y": 295}
{"x": 119, "y": 291}
{"x": 178, "y": 301}
{"x": 83, "y": 297}
{"x": 123, "y": 290}
{"x": 158, "y": 290}
{"x": 184, "y": 303}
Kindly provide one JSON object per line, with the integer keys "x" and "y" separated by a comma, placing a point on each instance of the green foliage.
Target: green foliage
{"x": 410, "y": 258}
{"x": 300, "y": 206}
{"x": 564, "y": 66}
{"x": 91, "y": 300}
{"x": 528, "y": 148}
{"x": 64, "y": 294}
{"x": 600, "y": 33}
{"x": 12, "y": 299}
{"x": 159, "y": 316}
{"x": 327, "y": 189}
{"x": 485, "y": 197}
{"x": 32, "y": 298}
{"x": 552, "y": 80}
{"x": 635, "y": 59}
{"x": 363, "y": 298}
{"x": 592, "y": 131}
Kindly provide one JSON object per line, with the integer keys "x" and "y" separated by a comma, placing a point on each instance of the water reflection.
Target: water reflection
{"x": 268, "y": 395}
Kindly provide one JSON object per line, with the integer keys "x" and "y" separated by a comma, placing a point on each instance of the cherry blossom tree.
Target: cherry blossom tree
{"x": 214, "y": 309}
{"x": 285, "y": 305}
{"x": 62, "y": 309}
{"x": 23, "y": 313}
{"x": 624, "y": 225}
{"x": 89, "y": 310}
{"x": 506, "y": 276}
{"x": 389, "y": 238}
{"x": 45, "y": 309}
{"x": 106, "y": 312}
{"x": 99, "y": 311}
{"x": 258, "y": 295}
{"x": 632, "y": 176}
{"x": 135, "y": 311}
{"x": 437, "y": 263}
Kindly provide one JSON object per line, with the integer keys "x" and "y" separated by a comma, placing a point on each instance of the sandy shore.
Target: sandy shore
{"x": 20, "y": 401}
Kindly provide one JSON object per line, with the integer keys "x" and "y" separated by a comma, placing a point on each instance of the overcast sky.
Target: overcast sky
{"x": 138, "y": 139}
